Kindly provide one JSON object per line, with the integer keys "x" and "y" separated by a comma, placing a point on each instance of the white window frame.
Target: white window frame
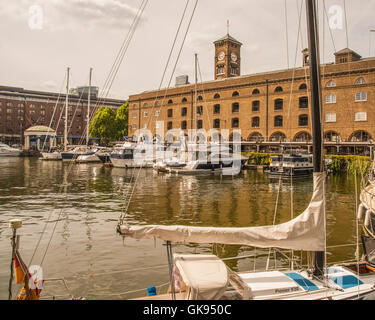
{"x": 145, "y": 114}
{"x": 157, "y": 113}
{"x": 135, "y": 115}
{"x": 360, "y": 96}
{"x": 360, "y": 116}
{"x": 331, "y": 117}
{"x": 330, "y": 98}
{"x": 360, "y": 81}
{"x": 331, "y": 84}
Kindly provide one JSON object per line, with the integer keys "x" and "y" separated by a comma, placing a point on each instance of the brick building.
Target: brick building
{"x": 269, "y": 107}
{"x": 21, "y": 109}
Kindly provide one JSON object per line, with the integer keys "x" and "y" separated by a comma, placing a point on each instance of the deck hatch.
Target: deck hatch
{"x": 306, "y": 284}
{"x": 347, "y": 281}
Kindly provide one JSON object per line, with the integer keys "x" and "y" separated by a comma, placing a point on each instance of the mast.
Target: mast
{"x": 66, "y": 110}
{"x": 88, "y": 109}
{"x": 195, "y": 99}
{"x": 312, "y": 25}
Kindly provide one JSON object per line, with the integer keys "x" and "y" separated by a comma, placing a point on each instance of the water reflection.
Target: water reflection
{"x": 88, "y": 199}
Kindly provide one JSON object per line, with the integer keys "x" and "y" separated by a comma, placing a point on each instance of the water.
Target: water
{"x": 82, "y": 204}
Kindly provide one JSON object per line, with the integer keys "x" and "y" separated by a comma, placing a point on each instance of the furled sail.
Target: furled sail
{"x": 305, "y": 232}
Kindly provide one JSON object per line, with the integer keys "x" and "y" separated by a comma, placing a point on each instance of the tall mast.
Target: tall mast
{"x": 66, "y": 110}
{"x": 314, "y": 65}
{"x": 88, "y": 109}
{"x": 195, "y": 99}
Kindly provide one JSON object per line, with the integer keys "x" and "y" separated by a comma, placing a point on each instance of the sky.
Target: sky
{"x": 41, "y": 38}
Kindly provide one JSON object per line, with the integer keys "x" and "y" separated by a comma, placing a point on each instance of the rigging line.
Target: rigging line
{"x": 286, "y": 32}
{"x": 204, "y": 95}
{"x": 54, "y": 110}
{"x": 327, "y": 20}
{"x": 123, "y": 215}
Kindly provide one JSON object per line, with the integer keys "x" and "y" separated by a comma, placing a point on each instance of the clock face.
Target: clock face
{"x": 233, "y": 57}
{"x": 221, "y": 56}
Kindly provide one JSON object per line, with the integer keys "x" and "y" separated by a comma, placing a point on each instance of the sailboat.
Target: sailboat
{"x": 206, "y": 277}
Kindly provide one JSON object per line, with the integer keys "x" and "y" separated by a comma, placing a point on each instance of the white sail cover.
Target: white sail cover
{"x": 305, "y": 232}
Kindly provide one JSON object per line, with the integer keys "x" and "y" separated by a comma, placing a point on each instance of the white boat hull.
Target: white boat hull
{"x": 91, "y": 158}
{"x": 130, "y": 163}
{"x": 51, "y": 156}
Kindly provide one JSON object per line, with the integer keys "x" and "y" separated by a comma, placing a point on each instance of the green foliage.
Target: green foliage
{"x": 259, "y": 158}
{"x": 110, "y": 125}
{"x": 350, "y": 163}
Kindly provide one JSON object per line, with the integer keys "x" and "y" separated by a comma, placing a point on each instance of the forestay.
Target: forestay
{"x": 305, "y": 232}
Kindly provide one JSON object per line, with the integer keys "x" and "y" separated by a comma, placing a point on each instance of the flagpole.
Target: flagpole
{"x": 14, "y": 224}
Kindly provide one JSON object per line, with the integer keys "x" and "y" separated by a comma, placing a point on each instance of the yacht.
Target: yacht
{"x": 287, "y": 165}
{"x": 7, "y": 151}
{"x": 133, "y": 155}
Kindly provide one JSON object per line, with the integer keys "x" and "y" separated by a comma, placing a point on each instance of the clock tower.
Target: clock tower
{"x": 227, "y": 57}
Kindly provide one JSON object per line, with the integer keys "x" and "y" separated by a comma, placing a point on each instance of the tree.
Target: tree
{"x": 122, "y": 121}
{"x": 104, "y": 125}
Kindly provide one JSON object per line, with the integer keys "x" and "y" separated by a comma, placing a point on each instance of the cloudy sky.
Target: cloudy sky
{"x": 40, "y": 38}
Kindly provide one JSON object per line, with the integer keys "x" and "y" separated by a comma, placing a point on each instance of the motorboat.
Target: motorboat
{"x": 133, "y": 155}
{"x": 287, "y": 165}
{"x": 7, "y": 151}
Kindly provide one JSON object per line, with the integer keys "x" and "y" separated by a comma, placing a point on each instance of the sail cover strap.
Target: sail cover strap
{"x": 305, "y": 232}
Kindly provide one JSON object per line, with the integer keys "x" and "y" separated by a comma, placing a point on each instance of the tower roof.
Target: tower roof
{"x": 346, "y": 51}
{"x": 228, "y": 37}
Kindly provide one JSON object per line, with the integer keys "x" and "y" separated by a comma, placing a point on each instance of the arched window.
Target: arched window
{"x": 303, "y": 120}
{"x": 145, "y": 105}
{"x": 217, "y": 96}
{"x": 255, "y": 122}
{"x": 332, "y": 136}
{"x": 303, "y": 137}
{"x": 278, "y": 89}
{"x": 170, "y": 101}
{"x": 303, "y": 86}
{"x": 235, "y": 94}
{"x": 360, "y": 80}
{"x": 184, "y": 100}
{"x": 279, "y": 104}
{"x": 256, "y": 136}
{"x": 255, "y": 106}
{"x": 360, "y": 136}
{"x": 200, "y": 98}
{"x": 135, "y": 106}
{"x": 278, "y": 121}
{"x": 331, "y": 84}
{"x": 278, "y": 136}
{"x": 157, "y": 104}
{"x": 256, "y": 91}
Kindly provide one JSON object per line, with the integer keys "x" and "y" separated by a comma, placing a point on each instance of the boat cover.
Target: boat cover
{"x": 305, "y": 232}
{"x": 205, "y": 275}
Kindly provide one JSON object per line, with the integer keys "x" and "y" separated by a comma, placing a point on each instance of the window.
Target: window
{"x": 332, "y": 136}
{"x": 303, "y": 86}
{"x": 217, "y": 123}
{"x": 43, "y": 112}
{"x": 279, "y": 104}
{"x": 200, "y": 110}
{"x": 331, "y": 84}
{"x": 134, "y": 115}
{"x": 303, "y": 102}
{"x": 184, "y": 100}
{"x": 145, "y": 105}
{"x": 9, "y": 111}
{"x": 331, "y": 117}
{"x": 278, "y": 89}
{"x": 360, "y": 80}
{"x": 217, "y": 96}
{"x": 255, "y": 106}
{"x": 255, "y": 122}
{"x": 183, "y": 125}
{"x": 303, "y": 120}
{"x": 217, "y": 109}
{"x": 235, "y": 123}
{"x": 157, "y": 113}
{"x": 233, "y": 71}
{"x": 360, "y": 116}
{"x": 169, "y": 125}
{"x": 330, "y": 98}
{"x": 170, "y": 101}
{"x": 145, "y": 114}
{"x": 184, "y": 112}
{"x": 256, "y": 91}
{"x": 361, "y": 96}
{"x": 134, "y": 126}
{"x": 9, "y": 104}
{"x": 199, "y": 124}
{"x": 220, "y": 69}
{"x": 135, "y": 106}
{"x": 235, "y": 94}
{"x": 278, "y": 121}
{"x": 235, "y": 107}
{"x": 170, "y": 113}
{"x": 200, "y": 98}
